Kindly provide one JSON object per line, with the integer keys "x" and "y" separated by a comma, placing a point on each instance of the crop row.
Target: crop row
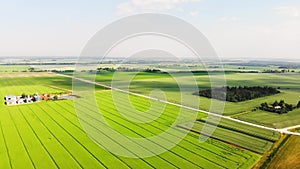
{"x": 245, "y": 129}
{"x": 239, "y": 139}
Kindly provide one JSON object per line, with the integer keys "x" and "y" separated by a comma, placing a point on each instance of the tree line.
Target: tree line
{"x": 279, "y": 107}
{"x": 238, "y": 94}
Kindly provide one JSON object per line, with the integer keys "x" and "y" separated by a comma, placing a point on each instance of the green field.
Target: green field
{"x": 49, "y": 135}
{"x": 145, "y": 83}
{"x": 242, "y": 138}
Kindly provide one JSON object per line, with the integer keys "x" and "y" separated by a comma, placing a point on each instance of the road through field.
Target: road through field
{"x": 292, "y": 127}
{"x": 283, "y": 130}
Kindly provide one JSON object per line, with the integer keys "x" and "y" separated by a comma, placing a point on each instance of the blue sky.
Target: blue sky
{"x": 236, "y": 28}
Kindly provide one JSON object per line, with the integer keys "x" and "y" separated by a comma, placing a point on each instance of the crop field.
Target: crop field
{"x": 49, "y": 135}
{"x": 287, "y": 156}
{"x": 250, "y": 130}
{"x": 145, "y": 83}
{"x": 248, "y": 137}
{"x": 244, "y": 137}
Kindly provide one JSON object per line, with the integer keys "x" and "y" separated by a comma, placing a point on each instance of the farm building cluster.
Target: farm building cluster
{"x": 11, "y": 100}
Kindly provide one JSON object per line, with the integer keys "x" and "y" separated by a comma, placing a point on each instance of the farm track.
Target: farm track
{"x": 184, "y": 106}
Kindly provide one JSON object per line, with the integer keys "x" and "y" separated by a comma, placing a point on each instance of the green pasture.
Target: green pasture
{"x": 271, "y": 119}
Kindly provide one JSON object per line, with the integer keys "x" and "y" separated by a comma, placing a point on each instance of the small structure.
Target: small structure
{"x": 11, "y": 100}
{"x": 277, "y": 107}
{"x": 46, "y": 96}
{"x": 36, "y": 98}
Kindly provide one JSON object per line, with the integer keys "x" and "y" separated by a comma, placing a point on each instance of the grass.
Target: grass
{"x": 272, "y": 119}
{"x": 49, "y": 134}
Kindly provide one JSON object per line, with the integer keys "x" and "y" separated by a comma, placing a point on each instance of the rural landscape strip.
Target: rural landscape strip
{"x": 235, "y": 145}
{"x": 213, "y": 150}
{"x": 284, "y": 130}
{"x": 229, "y": 136}
{"x": 238, "y": 130}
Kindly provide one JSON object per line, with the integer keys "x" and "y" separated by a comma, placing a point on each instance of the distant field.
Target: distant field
{"x": 49, "y": 135}
{"x": 288, "y": 155}
{"x": 13, "y": 68}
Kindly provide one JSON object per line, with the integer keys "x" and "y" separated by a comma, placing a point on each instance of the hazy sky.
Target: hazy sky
{"x": 236, "y": 28}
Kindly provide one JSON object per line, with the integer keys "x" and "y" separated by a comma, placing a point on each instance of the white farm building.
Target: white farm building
{"x": 11, "y": 100}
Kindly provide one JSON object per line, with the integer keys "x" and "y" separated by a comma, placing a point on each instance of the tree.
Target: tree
{"x": 281, "y": 103}
{"x": 31, "y": 69}
{"x": 238, "y": 93}
{"x": 23, "y": 96}
{"x": 275, "y": 103}
{"x": 298, "y": 105}
{"x": 55, "y": 97}
{"x": 289, "y": 107}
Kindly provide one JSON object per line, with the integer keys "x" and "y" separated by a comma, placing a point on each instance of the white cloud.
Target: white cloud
{"x": 229, "y": 19}
{"x": 288, "y": 11}
{"x": 194, "y": 13}
{"x": 136, "y": 6}
{"x": 278, "y": 39}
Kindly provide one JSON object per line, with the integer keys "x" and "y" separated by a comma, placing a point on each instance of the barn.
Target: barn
{"x": 10, "y": 100}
